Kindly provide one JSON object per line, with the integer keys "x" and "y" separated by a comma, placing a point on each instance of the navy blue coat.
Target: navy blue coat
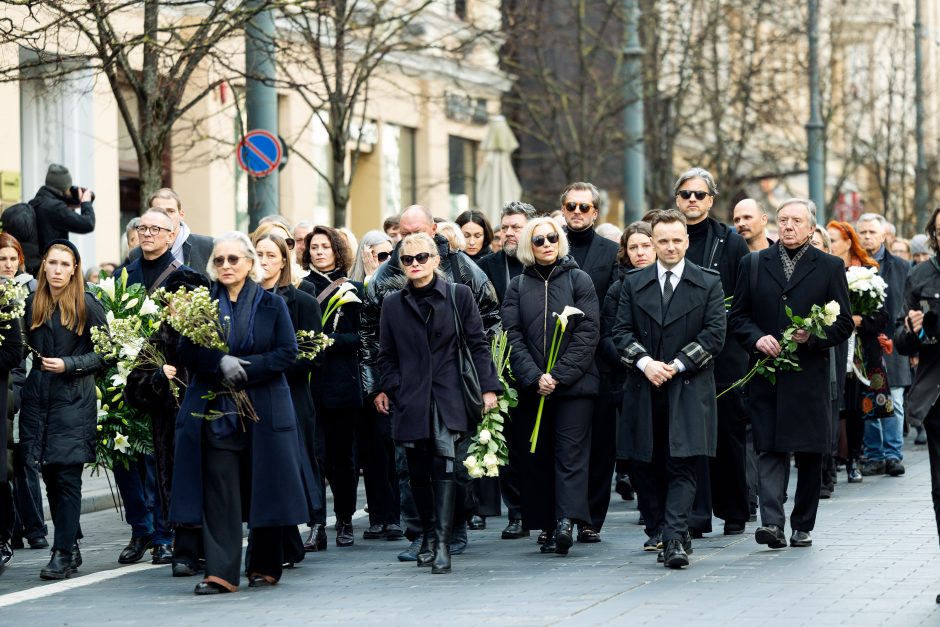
{"x": 417, "y": 365}
{"x": 278, "y": 495}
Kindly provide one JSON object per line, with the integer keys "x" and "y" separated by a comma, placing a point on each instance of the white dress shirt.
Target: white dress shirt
{"x": 661, "y": 270}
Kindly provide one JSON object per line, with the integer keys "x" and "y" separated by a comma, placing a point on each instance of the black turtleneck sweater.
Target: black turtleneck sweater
{"x": 545, "y": 271}
{"x": 153, "y": 268}
{"x": 421, "y": 296}
{"x": 698, "y": 234}
{"x": 579, "y": 242}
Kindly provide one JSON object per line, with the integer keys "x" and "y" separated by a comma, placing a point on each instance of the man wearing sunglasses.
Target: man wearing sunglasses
{"x": 597, "y": 256}
{"x": 188, "y": 248}
{"x": 388, "y": 278}
{"x": 722, "y": 480}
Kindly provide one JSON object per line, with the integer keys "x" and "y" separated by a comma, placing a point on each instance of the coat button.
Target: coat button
{"x": 784, "y": 297}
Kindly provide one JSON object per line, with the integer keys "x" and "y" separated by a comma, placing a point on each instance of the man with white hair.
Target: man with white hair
{"x": 884, "y": 437}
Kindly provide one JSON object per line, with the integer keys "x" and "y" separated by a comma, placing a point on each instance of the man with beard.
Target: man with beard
{"x": 722, "y": 480}
{"x": 501, "y": 267}
{"x": 750, "y": 220}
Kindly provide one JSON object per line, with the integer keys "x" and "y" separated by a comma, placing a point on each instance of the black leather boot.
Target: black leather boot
{"x": 344, "y": 533}
{"x": 59, "y": 566}
{"x": 444, "y": 521}
{"x": 563, "y": 538}
{"x": 424, "y": 503}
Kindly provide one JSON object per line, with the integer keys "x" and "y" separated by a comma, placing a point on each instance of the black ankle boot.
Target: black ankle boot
{"x": 59, "y": 566}
{"x": 424, "y": 503}
{"x": 444, "y": 521}
{"x": 563, "y": 537}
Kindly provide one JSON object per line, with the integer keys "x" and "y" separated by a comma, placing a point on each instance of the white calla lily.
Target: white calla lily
{"x": 565, "y": 314}
{"x": 345, "y": 287}
{"x": 348, "y": 297}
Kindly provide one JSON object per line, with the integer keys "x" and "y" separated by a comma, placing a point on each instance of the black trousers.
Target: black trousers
{"x": 338, "y": 429}
{"x": 603, "y": 457}
{"x": 555, "y": 477}
{"x": 485, "y": 495}
{"x": 376, "y": 456}
{"x": 667, "y": 483}
{"x": 27, "y": 493}
{"x": 64, "y": 491}
{"x": 510, "y": 475}
{"x": 774, "y": 473}
{"x": 932, "y": 429}
{"x": 728, "y": 469}
{"x": 7, "y": 512}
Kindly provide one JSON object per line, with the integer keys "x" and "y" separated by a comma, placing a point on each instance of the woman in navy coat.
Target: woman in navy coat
{"x": 418, "y": 362}
{"x": 232, "y": 469}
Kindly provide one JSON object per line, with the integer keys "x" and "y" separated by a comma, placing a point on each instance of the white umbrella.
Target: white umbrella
{"x": 497, "y": 183}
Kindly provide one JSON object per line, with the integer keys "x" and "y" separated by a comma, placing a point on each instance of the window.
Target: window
{"x": 463, "y": 173}
{"x": 398, "y": 167}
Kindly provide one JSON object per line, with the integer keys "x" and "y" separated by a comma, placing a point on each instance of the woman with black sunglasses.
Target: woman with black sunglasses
{"x": 555, "y": 477}
{"x": 375, "y": 248}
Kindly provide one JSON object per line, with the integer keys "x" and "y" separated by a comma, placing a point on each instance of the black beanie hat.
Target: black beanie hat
{"x": 58, "y": 177}
{"x": 62, "y": 242}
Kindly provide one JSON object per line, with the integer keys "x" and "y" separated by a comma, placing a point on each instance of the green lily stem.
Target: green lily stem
{"x": 743, "y": 380}
{"x": 552, "y": 357}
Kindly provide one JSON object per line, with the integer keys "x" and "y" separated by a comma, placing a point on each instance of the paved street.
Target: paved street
{"x": 875, "y": 562}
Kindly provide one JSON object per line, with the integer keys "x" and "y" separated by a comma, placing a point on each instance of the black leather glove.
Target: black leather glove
{"x": 232, "y": 371}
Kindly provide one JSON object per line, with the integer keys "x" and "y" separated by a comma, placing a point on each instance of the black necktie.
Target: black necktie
{"x": 667, "y": 288}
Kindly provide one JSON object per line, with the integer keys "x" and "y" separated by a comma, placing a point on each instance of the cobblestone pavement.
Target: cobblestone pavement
{"x": 875, "y": 561}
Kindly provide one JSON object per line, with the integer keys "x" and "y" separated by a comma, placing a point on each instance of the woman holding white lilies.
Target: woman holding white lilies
{"x": 555, "y": 475}
{"x": 419, "y": 365}
{"x": 59, "y": 410}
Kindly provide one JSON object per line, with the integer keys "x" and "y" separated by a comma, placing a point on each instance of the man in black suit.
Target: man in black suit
{"x": 580, "y": 207}
{"x": 501, "y": 267}
{"x": 188, "y": 248}
{"x": 793, "y": 414}
{"x": 670, "y": 326}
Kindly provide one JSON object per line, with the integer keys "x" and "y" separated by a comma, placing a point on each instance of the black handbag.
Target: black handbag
{"x": 469, "y": 380}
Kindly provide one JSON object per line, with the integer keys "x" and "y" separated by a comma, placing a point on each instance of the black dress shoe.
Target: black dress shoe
{"x": 162, "y": 554}
{"x": 686, "y": 546}
{"x": 476, "y": 523}
{"x": 772, "y": 536}
{"x": 135, "y": 550}
{"x": 316, "y": 539}
{"x": 374, "y": 532}
{"x": 514, "y": 530}
{"x": 734, "y": 528}
{"x": 549, "y": 545}
{"x": 183, "y": 569}
{"x": 58, "y": 566}
{"x": 344, "y": 534}
{"x": 76, "y": 557}
{"x": 209, "y": 587}
{"x": 563, "y": 537}
{"x": 800, "y": 539}
{"x": 260, "y": 581}
{"x": 393, "y": 531}
{"x": 623, "y": 487}
{"x": 543, "y": 538}
{"x": 38, "y": 543}
{"x": 6, "y": 553}
{"x": 674, "y": 555}
{"x": 588, "y": 535}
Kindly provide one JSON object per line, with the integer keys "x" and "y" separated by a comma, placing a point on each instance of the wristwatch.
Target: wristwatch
{"x": 674, "y": 365}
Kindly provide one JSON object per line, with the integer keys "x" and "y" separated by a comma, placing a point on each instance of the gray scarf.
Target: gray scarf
{"x": 789, "y": 265}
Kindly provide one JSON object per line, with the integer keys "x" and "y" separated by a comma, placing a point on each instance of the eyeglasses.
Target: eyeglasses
{"x": 539, "y": 240}
{"x": 382, "y": 257}
{"x": 686, "y": 194}
{"x": 583, "y": 207}
{"x": 150, "y": 230}
{"x": 421, "y": 258}
{"x": 232, "y": 260}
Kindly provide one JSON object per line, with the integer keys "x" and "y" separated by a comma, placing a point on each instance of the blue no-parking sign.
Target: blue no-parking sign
{"x": 259, "y": 153}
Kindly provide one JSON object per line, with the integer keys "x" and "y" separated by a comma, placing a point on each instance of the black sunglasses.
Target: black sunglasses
{"x": 233, "y": 260}
{"x": 583, "y": 207}
{"x": 382, "y": 257}
{"x": 686, "y": 194}
{"x": 290, "y": 243}
{"x": 539, "y": 240}
{"x": 421, "y": 258}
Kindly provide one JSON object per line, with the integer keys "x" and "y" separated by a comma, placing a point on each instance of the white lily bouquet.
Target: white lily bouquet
{"x": 819, "y": 317}
{"x": 561, "y": 324}
{"x": 488, "y": 450}
{"x": 345, "y": 294}
{"x": 132, "y": 317}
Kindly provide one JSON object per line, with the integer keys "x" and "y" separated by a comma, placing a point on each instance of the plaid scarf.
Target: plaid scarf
{"x": 789, "y": 265}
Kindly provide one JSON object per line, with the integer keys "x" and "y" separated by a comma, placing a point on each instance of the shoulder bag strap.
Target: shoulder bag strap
{"x": 457, "y": 323}
{"x": 329, "y": 288}
{"x": 755, "y": 266}
{"x": 170, "y": 269}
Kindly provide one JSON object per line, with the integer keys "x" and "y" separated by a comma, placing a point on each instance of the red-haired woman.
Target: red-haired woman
{"x": 59, "y": 411}
{"x": 857, "y": 395}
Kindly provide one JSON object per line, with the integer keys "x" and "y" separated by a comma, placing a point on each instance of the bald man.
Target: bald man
{"x": 750, "y": 220}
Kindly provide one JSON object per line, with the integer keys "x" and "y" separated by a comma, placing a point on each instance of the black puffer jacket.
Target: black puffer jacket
{"x": 456, "y": 266}
{"x": 55, "y": 219}
{"x": 527, "y": 316}
{"x": 922, "y": 287}
{"x": 59, "y": 412}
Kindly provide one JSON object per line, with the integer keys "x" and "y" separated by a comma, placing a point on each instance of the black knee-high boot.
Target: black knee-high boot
{"x": 424, "y": 503}
{"x": 444, "y": 513}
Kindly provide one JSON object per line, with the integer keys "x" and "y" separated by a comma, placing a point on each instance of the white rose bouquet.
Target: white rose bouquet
{"x": 867, "y": 290}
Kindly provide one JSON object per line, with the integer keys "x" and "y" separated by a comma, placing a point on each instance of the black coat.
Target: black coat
{"x": 794, "y": 414}
{"x": 419, "y": 363}
{"x": 922, "y": 287}
{"x": 389, "y": 278}
{"x": 59, "y": 412}
{"x": 11, "y": 352}
{"x": 607, "y": 352}
{"x": 894, "y": 271}
{"x": 692, "y": 331}
{"x": 336, "y": 379}
{"x": 527, "y": 317}
{"x": 600, "y": 263}
{"x": 279, "y": 493}
{"x": 55, "y": 219}
{"x": 197, "y": 249}
{"x": 500, "y": 269}
{"x": 304, "y": 316}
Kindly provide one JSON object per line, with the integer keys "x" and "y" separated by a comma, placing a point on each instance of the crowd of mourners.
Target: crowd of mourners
{"x": 627, "y": 351}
